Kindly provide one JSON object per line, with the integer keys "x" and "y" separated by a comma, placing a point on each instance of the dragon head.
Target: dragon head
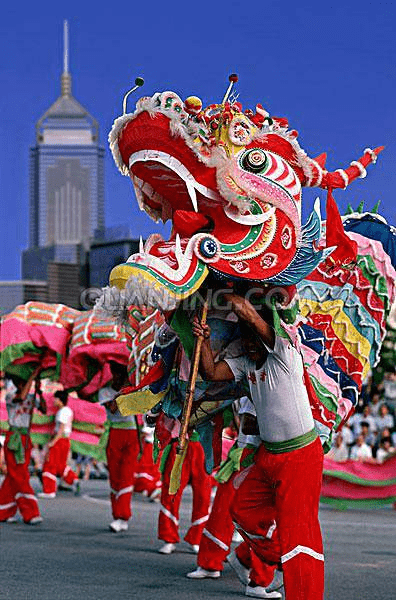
{"x": 230, "y": 181}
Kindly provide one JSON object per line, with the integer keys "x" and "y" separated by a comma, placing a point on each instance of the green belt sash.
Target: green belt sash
{"x": 104, "y": 438}
{"x": 15, "y": 443}
{"x": 121, "y": 425}
{"x": 289, "y": 445}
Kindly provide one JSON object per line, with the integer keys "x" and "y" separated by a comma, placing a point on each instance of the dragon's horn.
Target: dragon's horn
{"x": 341, "y": 178}
{"x": 321, "y": 159}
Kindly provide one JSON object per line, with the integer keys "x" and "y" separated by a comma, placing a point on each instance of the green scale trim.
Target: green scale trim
{"x": 251, "y": 237}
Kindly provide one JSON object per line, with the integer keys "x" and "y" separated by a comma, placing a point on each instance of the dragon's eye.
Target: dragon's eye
{"x": 254, "y": 160}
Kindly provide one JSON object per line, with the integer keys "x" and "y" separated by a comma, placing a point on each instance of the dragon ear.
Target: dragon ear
{"x": 346, "y": 249}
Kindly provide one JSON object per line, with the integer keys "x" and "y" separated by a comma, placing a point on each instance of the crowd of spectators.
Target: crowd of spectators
{"x": 370, "y": 433}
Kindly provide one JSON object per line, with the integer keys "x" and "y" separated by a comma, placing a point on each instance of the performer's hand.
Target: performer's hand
{"x": 200, "y": 329}
{"x": 113, "y": 406}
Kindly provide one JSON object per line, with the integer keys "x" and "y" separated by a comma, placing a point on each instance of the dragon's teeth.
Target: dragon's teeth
{"x": 193, "y": 195}
{"x": 141, "y": 246}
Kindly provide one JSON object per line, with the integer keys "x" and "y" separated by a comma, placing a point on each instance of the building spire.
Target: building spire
{"x": 66, "y": 77}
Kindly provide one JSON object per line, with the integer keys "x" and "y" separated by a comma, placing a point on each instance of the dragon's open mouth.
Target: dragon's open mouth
{"x": 163, "y": 184}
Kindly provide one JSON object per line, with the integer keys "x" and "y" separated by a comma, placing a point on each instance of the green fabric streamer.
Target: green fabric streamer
{"x": 15, "y": 444}
{"x": 231, "y": 464}
{"x": 234, "y": 463}
{"x": 181, "y": 325}
{"x": 164, "y": 457}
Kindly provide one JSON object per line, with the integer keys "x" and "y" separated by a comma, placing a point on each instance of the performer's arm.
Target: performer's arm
{"x": 246, "y": 311}
{"x": 42, "y": 405}
{"x": 57, "y": 436}
{"x": 211, "y": 371}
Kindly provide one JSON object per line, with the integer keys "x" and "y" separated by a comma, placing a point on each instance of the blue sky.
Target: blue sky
{"x": 329, "y": 68}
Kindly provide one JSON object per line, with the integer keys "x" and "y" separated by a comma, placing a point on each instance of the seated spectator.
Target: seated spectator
{"x": 361, "y": 451}
{"x": 347, "y": 435}
{"x": 385, "y": 419}
{"x": 339, "y": 451}
{"x": 369, "y": 437}
{"x": 375, "y": 402}
{"x": 385, "y": 450}
{"x": 357, "y": 419}
{"x": 390, "y": 389}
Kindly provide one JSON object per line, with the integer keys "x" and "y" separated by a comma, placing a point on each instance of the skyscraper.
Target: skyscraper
{"x": 66, "y": 171}
{"x": 66, "y": 193}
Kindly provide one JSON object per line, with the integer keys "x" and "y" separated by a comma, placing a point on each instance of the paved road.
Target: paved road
{"x": 74, "y": 556}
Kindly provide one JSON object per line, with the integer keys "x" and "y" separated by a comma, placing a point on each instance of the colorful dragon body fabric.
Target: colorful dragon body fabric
{"x": 36, "y": 334}
{"x": 95, "y": 341}
{"x": 231, "y": 183}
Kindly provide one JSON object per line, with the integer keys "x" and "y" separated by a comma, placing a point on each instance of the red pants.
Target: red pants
{"x": 193, "y": 473}
{"x": 286, "y": 489}
{"x": 16, "y": 491}
{"x": 55, "y": 465}
{"x": 217, "y": 536}
{"x": 147, "y": 476}
{"x": 122, "y": 452}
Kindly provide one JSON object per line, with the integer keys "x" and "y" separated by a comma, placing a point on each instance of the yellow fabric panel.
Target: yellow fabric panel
{"x": 138, "y": 403}
{"x": 342, "y": 326}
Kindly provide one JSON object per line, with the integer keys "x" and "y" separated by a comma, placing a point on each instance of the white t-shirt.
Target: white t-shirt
{"x": 361, "y": 452}
{"x": 107, "y": 394}
{"x": 247, "y": 407}
{"x": 18, "y": 412}
{"x": 278, "y": 392}
{"x": 64, "y": 417}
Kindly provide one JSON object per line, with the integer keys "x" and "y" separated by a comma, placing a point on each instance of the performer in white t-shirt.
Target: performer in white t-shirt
{"x": 287, "y": 474}
{"x": 216, "y": 539}
{"x": 16, "y": 493}
{"x": 55, "y": 464}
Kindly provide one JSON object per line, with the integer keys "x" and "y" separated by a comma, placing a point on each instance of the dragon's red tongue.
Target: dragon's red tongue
{"x": 187, "y": 222}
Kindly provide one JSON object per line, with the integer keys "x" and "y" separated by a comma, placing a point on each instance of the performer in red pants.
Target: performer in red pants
{"x": 286, "y": 477}
{"x": 216, "y": 538}
{"x": 55, "y": 464}
{"x": 122, "y": 451}
{"x": 16, "y": 491}
{"x": 193, "y": 473}
{"x": 148, "y": 476}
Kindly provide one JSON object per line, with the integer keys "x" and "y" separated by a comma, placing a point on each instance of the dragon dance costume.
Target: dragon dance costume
{"x": 230, "y": 180}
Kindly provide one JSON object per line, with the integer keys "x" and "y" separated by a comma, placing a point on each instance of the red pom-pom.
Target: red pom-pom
{"x": 233, "y": 78}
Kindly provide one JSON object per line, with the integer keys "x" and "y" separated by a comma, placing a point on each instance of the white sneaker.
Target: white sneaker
{"x": 45, "y": 495}
{"x": 167, "y": 548}
{"x": 194, "y": 548}
{"x": 119, "y": 525}
{"x": 276, "y": 583}
{"x": 201, "y": 573}
{"x": 34, "y": 521}
{"x": 236, "y": 537}
{"x": 241, "y": 571}
{"x": 155, "y": 495}
{"x": 260, "y": 592}
{"x": 12, "y": 520}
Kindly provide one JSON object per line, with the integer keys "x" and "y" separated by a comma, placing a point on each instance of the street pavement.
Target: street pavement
{"x": 72, "y": 555}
